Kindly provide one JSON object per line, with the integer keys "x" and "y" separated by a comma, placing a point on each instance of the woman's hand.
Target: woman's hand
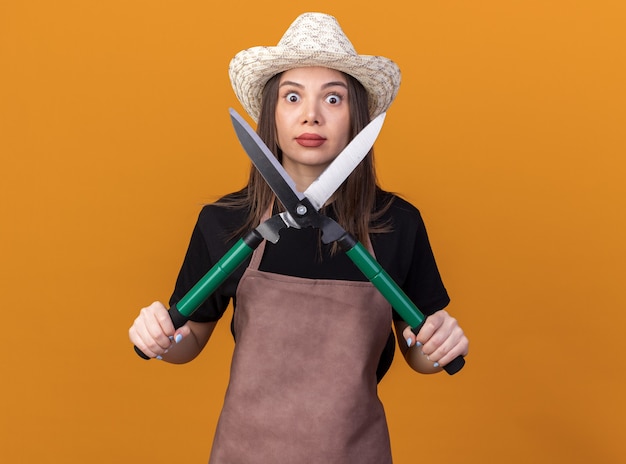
{"x": 153, "y": 332}
{"x": 439, "y": 341}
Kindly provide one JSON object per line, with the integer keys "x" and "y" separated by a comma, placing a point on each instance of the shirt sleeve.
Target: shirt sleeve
{"x": 423, "y": 282}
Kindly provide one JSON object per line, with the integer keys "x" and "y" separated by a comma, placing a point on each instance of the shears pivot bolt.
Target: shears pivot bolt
{"x": 301, "y": 210}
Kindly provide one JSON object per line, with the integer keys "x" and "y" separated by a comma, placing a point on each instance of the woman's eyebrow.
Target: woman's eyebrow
{"x": 335, "y": 84}
{"x": 295, "y": 84}
{"x": 328, "y": 84}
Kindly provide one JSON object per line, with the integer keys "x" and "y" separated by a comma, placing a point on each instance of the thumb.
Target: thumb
{"x": 409, "y": 336}
{"x": 181, "y": 333}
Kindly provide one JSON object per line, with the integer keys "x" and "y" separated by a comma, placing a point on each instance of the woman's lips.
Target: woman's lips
{"x": 310, "y": 140}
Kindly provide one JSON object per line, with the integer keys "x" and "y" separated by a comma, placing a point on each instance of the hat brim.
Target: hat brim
{"x": 250, "y": 70}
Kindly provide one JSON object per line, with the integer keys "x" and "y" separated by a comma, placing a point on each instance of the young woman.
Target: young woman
{"x": 313, "y": 336}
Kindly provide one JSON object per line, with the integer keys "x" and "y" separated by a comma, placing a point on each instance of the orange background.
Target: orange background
{"x": 508, "y": 134}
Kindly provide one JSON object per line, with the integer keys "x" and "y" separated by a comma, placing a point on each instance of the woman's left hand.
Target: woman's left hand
{"x": 439, "y": 341}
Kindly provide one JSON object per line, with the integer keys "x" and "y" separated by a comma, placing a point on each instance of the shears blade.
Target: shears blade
{"x": 338, "y": 171}
{"x": 266, "y": 163}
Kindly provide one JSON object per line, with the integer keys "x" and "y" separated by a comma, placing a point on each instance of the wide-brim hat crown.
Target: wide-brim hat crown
{"x": 313, "y": 39}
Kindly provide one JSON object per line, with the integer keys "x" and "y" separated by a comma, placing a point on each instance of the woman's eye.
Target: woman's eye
{"x": 333, "y": 99}
{"x": 292, "y": 97}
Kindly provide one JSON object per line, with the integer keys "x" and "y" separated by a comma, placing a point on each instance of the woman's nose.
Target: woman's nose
{"x": 310, "y": 113}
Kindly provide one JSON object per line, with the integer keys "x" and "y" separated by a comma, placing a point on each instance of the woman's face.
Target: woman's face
{"x": 312, "y": 118}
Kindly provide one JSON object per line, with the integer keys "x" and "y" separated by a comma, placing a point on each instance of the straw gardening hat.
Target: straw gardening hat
{"x": 313, "y": 39}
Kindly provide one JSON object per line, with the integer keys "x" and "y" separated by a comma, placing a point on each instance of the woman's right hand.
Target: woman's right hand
{"x": 153, "y": 331}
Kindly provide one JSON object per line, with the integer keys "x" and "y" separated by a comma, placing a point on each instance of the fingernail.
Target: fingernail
{"x": 159, "y": 357}
{"x": 418, "y": 344}
{"x": 171, "y": 337}
{"x": 436, "y": 364}
{"x": 178, "y": 338}
{"x": 409, "y": 341}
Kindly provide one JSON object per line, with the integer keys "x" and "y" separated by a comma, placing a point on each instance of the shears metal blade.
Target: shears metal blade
{"x": 338, "y": 171}
{"x": 266, "y": 163}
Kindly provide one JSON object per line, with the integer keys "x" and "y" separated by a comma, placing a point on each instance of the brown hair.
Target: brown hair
{"x": 354, "y": 202}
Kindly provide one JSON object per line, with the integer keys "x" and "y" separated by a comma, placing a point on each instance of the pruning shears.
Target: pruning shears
{"x": 302, "y": 210}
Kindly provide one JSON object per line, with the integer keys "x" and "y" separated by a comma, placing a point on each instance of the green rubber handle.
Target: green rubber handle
{"x": 391, "y": 291}
{"x": 214, "y": 278}
{"x": 386, "y": 285}
{"x": 181, "y": 311}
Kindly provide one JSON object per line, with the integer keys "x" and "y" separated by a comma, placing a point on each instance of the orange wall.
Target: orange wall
{"x": 508, "y": 134}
